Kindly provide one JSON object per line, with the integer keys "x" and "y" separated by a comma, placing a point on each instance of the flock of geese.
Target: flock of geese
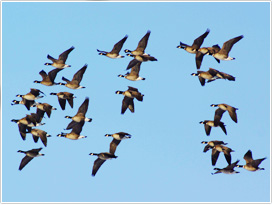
{"x": 212, "y": 74}
{"x": 28, "y": 123}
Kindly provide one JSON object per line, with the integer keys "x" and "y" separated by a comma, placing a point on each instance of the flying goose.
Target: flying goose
{"x": 117, "y": 137}
{"x": 140, "y": 50}
{"x": 129, "y": 96}
{"x": 102, "y": 157}
{"x": 80, "y": 115}
{"x": 60, "y": 62}
{"x": 75, "y": 133}
{"x": 211, "y": 75}
{"x": 63, "y": 96}
{"x": 48, "y": 79}
{"x": 228, "y": 169}
{"x": 44, "y": 108}
{"x": 37, "y": 133}
{"x": 29, "y": 155}
{"x": 194, "y": 48}
{"x": 34, "y": 94}
{"x": 134, "y": 73}
{"x": 251, "y": 164}
{"x": 26, "y": 103}
{"x": 220, "y": 111}
{"x": 114, "y": 53}
{"x": 196, "y": 44}
{"x": 208, "y": 124}
{"x": 74, "y": 83}
{"x": 223, "y": 54}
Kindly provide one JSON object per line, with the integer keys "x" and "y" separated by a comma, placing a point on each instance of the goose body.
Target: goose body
{"x": 101, "y": 158}
{"x": 77, "y": 78}
{"x": 228, "y": 169}
{"x": 140, "y": 50}
{"x": 29, "y": 155}
{"x": 251, "y": 164}
{"x": 221, "y": 110}
{"x": 60, "y": 62}
{"x": 117, "y": 138}
{"x": 223, "y": 54}
{"x": 48, "y": 79}
{"x": 114, "y": 53}
{"x": 80, "y": 115}
{"x": 63, "y": 96}
{"x": 208, "y": 124}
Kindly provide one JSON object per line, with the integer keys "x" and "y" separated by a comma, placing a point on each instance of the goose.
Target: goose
{"x": 60, "y": 62}
{"x": 75, "y": 133}
{"x": 211, "y": 144}
{"x": 134, "y": 73}
{"x": 117, "y": 137}
{"x": 223, "y": 54}
{"x": 80, "y": 115}
{"x": 44, "y": 108}
{"x": 220, "y": 111}
{"x": 140, "y": 50}
{"x": 37, "y": 133}
{"x": 211, "y": 75}
{"x": 196, "y": 44}
{"x": 129, "y": 96}
{"x": 34, "y": 94}
{"x": 114, "y": 53}
{"x": 228, "y": 169}
{"x": 194, "y": 48}
{"x": 208, "y": 124}
{"x": 251, "y": 164}
{"x": 101, "y": 158}
{"x": 63, "y": 96}
{"x": 29, "y": 155}
{"x": 48, "y": 79}
{"x": 74, "y": 83}
{"x": 221, "y": 148}
{"x": 131, "y": 92}
{"x": 26, "y": 103}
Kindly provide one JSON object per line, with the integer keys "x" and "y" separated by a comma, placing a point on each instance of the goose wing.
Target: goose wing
{"x": 97, "y": 164}
{"x": 198, "y": 41}
{"x": 228, "y": 44}
{"x": 63, "y": 56}
{"x": 143, "y": 42}
{"x": 118, "y": 46}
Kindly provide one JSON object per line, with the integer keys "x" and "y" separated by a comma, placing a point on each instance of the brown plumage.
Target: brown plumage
{"x": 140, "y": 50}
{"x": 223, "y": 54}
{"x": 48, "y": 79}
{"x": 60, "y": 62}
{"x": 74, "y": 83}
{"x": 221, "y": 148}
{"x": 208, "y": 124}
{"x": 114, "y": 53}
{"x": 251, "y": 164}
{"x": 222, "y": 108}
{"x": 63, "y": 96}
{"x": 117, "y": 137}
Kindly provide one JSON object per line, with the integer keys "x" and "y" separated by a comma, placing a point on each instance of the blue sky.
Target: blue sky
{"x": 164, "y": 160}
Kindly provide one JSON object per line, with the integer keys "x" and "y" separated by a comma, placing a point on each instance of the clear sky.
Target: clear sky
{"x": 164, "y": 160}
